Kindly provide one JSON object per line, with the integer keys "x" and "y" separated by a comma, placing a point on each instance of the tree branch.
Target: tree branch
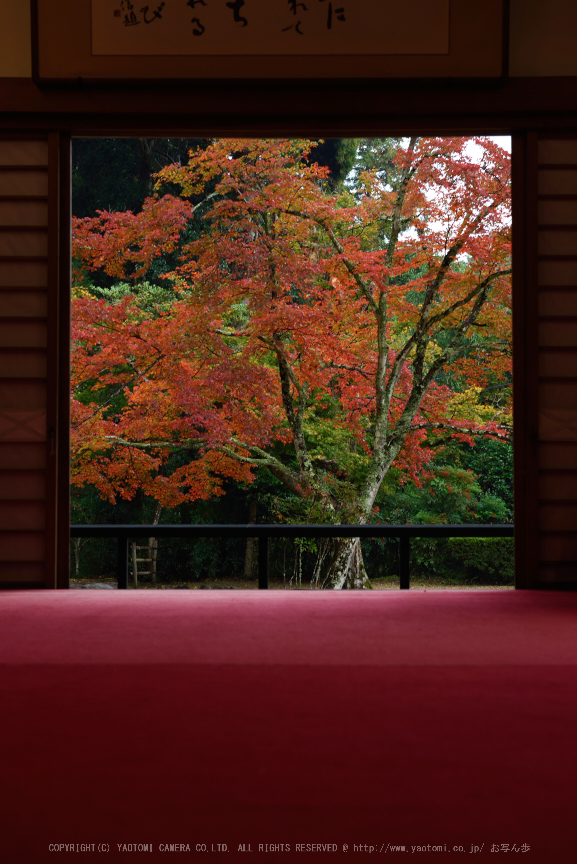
{"x": 290, "y": 478}
{"x": 118, "y": 391}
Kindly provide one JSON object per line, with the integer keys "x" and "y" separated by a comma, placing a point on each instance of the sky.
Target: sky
{"x": 503, "y": 141}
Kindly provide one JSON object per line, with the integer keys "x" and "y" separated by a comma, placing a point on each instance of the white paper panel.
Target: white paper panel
{"x": 558, "y": 334}
{"x": 23, "y": 572}
{"x": 22, "y": 364}
{"x": 22, "y": 425}
{"x": 554, "y": 394}
{"x": 553, "y": 302}
{"x": 558, "y": 273}
{"x": 23, "y": 394}
{"x": 23, "y": 303}
{"x": 27, "y": 456}
{"x": 23, "y": 183}
{"x": 25, "y": 274}
{"x": 20, "y": 152}
{"x": 558, "y": 548}
{"x": 557, "y": 182}
{"x": 22, "y": 547}
{"x": 23, "y": 334}
{"x": 23, "y": 212}
{"x": 23, "y": 243}
{"x": 22, "y": 515}
{"x": 22, "y": 485}
{"x": 263, "y": 27}
{"x": 557, "y": 424}
{"x": 558, "y": 456}
{"x": 560, "y": 152}
{"x": 557, "y": 242}
{"x": 562, "y": 364}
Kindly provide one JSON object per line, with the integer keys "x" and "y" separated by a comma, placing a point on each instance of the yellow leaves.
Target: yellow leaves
{"x": 466, "y": 406}
{"x": 79, "y": 290}
{"x": 85, "y": 450}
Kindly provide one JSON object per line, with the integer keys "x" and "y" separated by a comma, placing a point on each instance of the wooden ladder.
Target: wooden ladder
{"x": 152, "y": 550}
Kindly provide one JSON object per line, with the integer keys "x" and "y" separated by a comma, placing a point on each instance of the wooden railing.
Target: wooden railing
{"x": 124, "y": 533}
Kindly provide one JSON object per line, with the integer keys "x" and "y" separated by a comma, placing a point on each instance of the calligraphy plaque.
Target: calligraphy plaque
{"x": 263, "y": 27}
{"x": 200, "y": 39}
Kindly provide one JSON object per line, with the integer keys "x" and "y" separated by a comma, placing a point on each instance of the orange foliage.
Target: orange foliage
{"x": 289, "y": 301}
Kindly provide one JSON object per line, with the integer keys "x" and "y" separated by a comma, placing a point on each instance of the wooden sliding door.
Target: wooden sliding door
{"x": 34, "y": 364}
{"x": 545, "y": 332}
{"x": 557, "y": 356}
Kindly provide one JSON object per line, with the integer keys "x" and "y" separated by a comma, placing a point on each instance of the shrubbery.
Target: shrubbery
{"x": 465, "y": 560}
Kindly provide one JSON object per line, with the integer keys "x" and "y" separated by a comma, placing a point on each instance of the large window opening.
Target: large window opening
{"x": 292, "y": 332}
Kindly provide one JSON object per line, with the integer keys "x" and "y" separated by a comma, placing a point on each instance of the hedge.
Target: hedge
{"x": 466, "y": 560}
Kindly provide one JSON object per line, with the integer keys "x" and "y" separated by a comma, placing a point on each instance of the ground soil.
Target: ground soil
{"x": 387, "y": 583}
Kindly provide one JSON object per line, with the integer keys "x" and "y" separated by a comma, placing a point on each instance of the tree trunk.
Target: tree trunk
{"x": 340, "y": 564}
{"x": 153, "y": 543}
{"x": 78, "y": 544}
{"x": 249, "y": 556}
{"x": 77, "y": 547}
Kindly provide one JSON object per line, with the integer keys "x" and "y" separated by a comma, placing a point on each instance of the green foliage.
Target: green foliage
{"x": 338, "y": 155}
{"x": 376, "y": 154}
{"x": 482, "y": 560}
{"x": 116, "y": 173}
{"x": 332, "y": 447}
{"x": 149, "y": 297}
{"x": 95, "y": 557}
{"x": 180, "y": 559}
{"x": 197, "y": 560}
{"x": 451, "y": 495}
{"x": 465, "y": 560}
{"x": 492, "y": 463}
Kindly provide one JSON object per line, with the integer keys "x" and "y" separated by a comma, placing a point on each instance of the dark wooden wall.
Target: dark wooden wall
{"x": 29, "y": 360}
{"x": 545, "y": 357}
{"x": 556, "y": 277}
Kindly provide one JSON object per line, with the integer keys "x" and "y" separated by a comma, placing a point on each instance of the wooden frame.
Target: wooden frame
{"x": 63, "y": 369}
{"x": 478, "y": 38}
{"x": 525, "y": 361}
{"x": 340, "y": 107}
{"x": 53, "y": 358}
{"x": 524, "y": 160}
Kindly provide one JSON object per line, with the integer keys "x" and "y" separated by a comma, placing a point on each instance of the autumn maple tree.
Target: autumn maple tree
{"x": 302, "y": 331}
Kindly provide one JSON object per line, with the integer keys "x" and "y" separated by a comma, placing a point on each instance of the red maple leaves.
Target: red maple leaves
{"x": 303, "y": 327}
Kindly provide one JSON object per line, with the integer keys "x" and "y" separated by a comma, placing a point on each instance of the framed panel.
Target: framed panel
{"x": 175, "y": 40}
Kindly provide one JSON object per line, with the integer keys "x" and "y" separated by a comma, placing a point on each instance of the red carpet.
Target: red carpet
{"x": 433, "y": 720}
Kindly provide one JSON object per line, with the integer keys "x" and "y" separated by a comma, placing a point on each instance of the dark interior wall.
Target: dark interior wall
{"x": 26, "y": 478}
{"x": 556, "y": 283}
